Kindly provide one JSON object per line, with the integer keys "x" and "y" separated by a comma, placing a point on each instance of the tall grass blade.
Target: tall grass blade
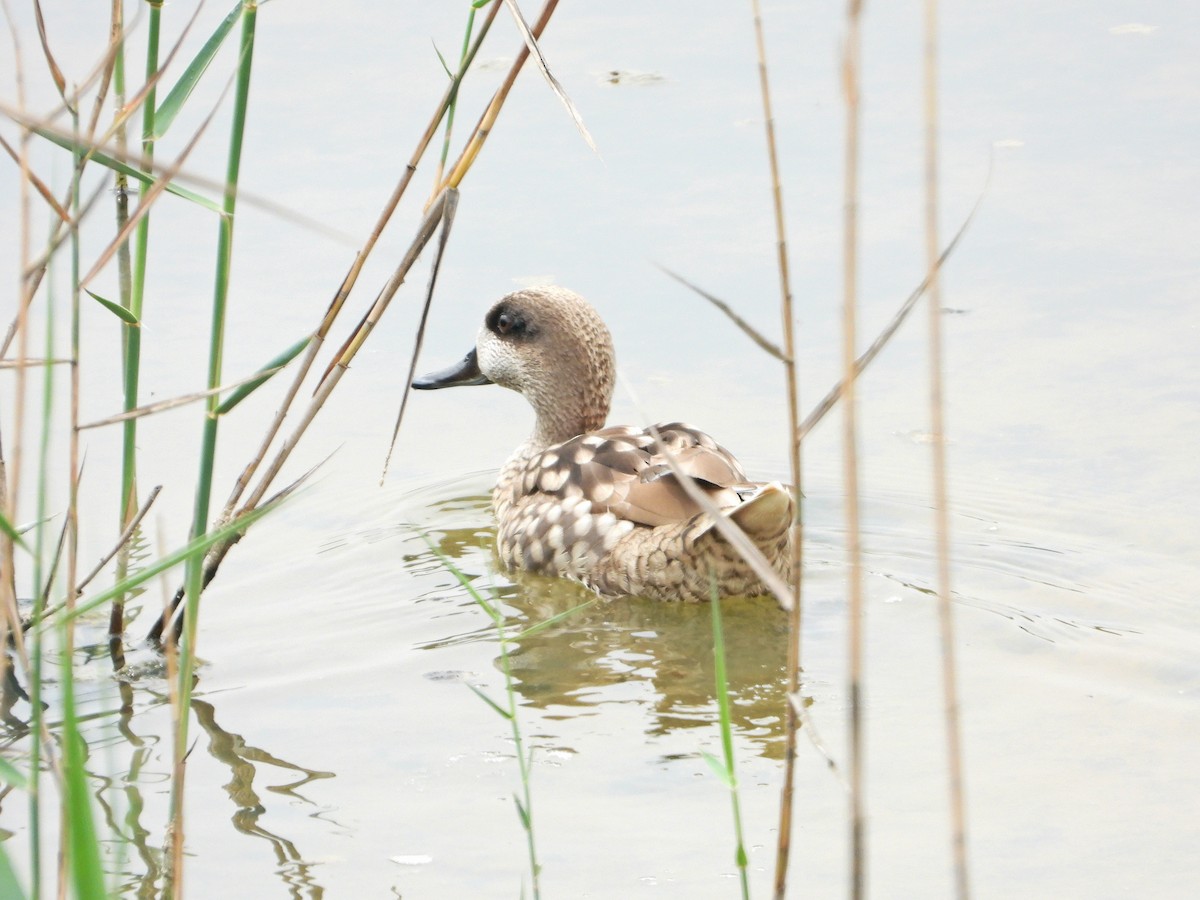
{"x": 175, "y": 402}
{"x": 792, "y": 384}
{"x": 191, "y": 549}
{"x": 55, "y": 72}
{"x": 524, "y": 803}
{"x": 165, "y": 115}
{"x": 867, "y": 356}
{"x": 38, "y": 184}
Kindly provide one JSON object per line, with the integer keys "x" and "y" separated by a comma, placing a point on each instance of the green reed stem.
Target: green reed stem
{"x": 131, "y": 337}
{"x": 82, "y": 846}
{"x": 727, "y": 772}
{"x": 524, "y": 803}
{"x": 37, "y": 651}
{"x": 187, "y": 655}
{"x": 463, "y": 62}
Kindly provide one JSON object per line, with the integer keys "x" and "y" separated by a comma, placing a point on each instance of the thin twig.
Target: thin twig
{"x": 174, "y": 402}
{"x": 121, "y": 541}
{"x": 448, "y": 210}
{"x": 829, "y": 401}
{"x": 38, "y": 184}
{"x": 749, "y": 330}
{"x": 351, "y": 276}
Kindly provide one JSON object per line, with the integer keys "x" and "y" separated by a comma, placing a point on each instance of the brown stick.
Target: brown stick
{"x": 850, "y": 72}
{"x": 941, "y": 502}
{"x": 795, "y": 614}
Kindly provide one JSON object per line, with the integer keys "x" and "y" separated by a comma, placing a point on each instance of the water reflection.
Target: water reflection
{"x": 656, "y": 655}
{"x": 243, "y": 760}
{"x": 127, "y": 750}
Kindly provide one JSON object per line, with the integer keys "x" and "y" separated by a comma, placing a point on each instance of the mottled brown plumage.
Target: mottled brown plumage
{"x": 601, "y": 505}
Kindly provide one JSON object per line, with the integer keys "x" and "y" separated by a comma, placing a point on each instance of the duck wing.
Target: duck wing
{"x": 622, "y": 470}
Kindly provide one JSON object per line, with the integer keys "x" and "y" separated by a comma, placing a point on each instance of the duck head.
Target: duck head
{"x": 549, "y": 345}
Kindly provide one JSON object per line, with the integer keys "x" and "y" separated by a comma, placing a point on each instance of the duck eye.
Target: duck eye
{"x": 509, "y": 323}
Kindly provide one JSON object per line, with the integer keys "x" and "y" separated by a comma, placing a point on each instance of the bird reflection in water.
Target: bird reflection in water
{"x": 574, "y": 665}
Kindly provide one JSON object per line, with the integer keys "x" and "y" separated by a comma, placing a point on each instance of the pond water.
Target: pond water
{"x": 339, "y": 748}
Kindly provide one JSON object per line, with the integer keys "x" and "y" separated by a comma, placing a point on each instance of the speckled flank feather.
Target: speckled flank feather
{"x": 601, "y": 505}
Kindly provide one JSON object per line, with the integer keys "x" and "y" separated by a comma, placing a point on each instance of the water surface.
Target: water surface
{"x": 340, "y": 750}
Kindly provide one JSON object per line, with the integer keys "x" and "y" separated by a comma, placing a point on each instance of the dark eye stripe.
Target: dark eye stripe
{"x": 505, "y": 321}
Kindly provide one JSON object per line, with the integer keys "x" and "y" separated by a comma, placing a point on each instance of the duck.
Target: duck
{"x": 598, "y": 504}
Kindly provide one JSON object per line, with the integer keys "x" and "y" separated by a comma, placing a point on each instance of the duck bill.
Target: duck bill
{"x": 465, "y": 371}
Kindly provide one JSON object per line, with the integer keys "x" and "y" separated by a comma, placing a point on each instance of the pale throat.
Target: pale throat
{"x": 562, "y": 418}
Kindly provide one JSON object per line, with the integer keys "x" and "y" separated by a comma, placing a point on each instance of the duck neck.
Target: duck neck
{"x": 564, "y": 417}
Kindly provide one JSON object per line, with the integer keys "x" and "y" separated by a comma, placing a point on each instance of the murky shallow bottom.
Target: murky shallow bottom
{"x": 339, "y": 748}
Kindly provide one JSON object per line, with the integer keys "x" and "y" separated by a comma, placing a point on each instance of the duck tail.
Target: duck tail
{"x": 765, "y": 513}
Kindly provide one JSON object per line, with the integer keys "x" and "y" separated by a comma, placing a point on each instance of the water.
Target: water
{"x": 339, "y": 749}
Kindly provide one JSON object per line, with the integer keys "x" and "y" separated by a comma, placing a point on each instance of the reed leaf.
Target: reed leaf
{"x": 116, "y": 309}
{"x": 490, "y": 702}
{"x": 165, "y": 115}
{"x": 536, "y": 51}
{"x": 9, "y": 885}
{"x": 553, "y": 620}
{"x": 11, "y": 775}
{"x": 12, "y": 533}
{"x": 68, "y": 143}
{"x": 264, "y": 375}
{"x": 718, "y": 769}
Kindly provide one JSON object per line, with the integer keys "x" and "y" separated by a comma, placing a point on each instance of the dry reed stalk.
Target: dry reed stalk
{"x": 483, "y": 128}
{"x": 347, "y": 351}
{"x": 449, "y": 208}
{"x": 121, "y": 541}
{"x": 351, "y": 277}
{"x": 38, "y": 184}
{"x": 788, "y": 357}
{"x": 941, "y": 502}
{"x": 850, "y": 74}
{"x": 829, "y": 401}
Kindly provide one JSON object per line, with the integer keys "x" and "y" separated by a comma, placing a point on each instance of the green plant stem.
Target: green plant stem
{"x": 37, "y": 654}
{"x": 187, "y": 654}
{"x": 463, "y": 62}
{"x": 723, "y": 710}
{"x": 131, "y": 338}
{"x": 522, "y": 761}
